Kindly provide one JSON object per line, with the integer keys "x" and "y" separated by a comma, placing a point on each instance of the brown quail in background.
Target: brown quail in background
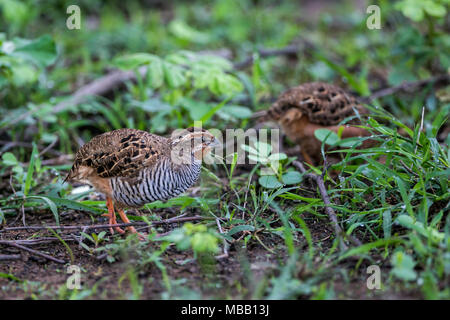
{"x": 133, "y": 167}
{"x": 302, "y": 110}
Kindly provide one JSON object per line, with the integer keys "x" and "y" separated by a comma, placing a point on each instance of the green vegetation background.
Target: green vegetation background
{"x": 399, "y": 208}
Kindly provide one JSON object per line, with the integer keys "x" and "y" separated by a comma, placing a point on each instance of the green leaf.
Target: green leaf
{"x": 9, "y": 159}
{"x": 70, "y": 204}
{"x": 30, "y": 170}
{"x": 404, "y": 194}
{"x": 387, "y": 223}
{"x": 263, "y": 148}
{"x": 401, "y": 73}
{"x": 181, "y": 30}
{"x": 212, "y": 111}
{"x": 41, "y": 51}
{"x": 269, "y": 182}
{"x": 51, "y": 205}
{"x": 327, "y": 136}
{"x": 197, "y": 109}
{"x": 428, "y": 232}
{"x": 238, "y": 112}
{"x": 204, "y": 242}
{"x": 173, "y": 75}
{"x": 155, "y": 73}
{"x": 292, "y": 177}
{"x": 249, "y": 149}
{"x": 435, "y": 9}
{"x": 240, "y": 228}
{"x": 403, "y": 266}
{"x": 9, "y": 276}
{"x": 132, "y": 61}
{"x": 223, "y": 83}
{"x": 277, "y": 157}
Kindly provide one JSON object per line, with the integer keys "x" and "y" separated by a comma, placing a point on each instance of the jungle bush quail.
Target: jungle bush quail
{"x": 133, "y": 167}
{"x": 302, "y": 110}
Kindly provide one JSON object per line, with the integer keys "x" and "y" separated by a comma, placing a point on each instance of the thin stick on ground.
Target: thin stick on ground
{"x": 326, "y": 200}
{"x": 35, "y": 252}
{"x": 225, "y": 243}
{"x": 106, "y": 226}
{"x": 6, "y": 257}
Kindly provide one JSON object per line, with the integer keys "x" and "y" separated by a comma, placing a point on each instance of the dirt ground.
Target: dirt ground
{"x": 236, "y": 276}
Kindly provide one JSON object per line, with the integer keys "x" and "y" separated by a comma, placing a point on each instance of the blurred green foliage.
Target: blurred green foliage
{"x": 394, "y": 196}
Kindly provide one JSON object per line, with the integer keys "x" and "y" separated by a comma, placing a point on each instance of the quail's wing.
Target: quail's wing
{"x": 323, "y": 103}
{"x": 122, "y": 152}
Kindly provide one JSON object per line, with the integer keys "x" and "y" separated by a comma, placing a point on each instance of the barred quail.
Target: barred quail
{"x": 302, "y": 110}
{"x": 133, "y": 167}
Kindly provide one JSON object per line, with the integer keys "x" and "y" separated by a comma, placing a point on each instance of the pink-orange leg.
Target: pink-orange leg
{"x": 132, "y": 229}
{"x": 112, "y": 216}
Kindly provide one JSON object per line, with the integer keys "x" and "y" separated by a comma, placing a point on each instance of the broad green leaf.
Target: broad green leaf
{"x": 197, "y": 109}
{"x": 269, "y": 182}
{"x": 277, "y": 157}
{"x": 51, "y": 205}
{"x": 263, "y": 148}
{"x": 132, "y": 61}
{"x": 240, "y": 228}
{"x": 403, "y": 266}
{"x": 155, "y": 73}
{"x": 238, "y": 112}
{"x": 173, "y": 75}
{"x": 418, "y": 226}
{"x": 292, "y": 177}
{"x": 41, "y": 51}
{"x": 435, "y": 9}
{"x": 249, "y": 149}
{"x": 327, "y": 136}
{"x": 204, "y": 242}
{"x": 181, "y": 30}
{"x": 9, "y": 159}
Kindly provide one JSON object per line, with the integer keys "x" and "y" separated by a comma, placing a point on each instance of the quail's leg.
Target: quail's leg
{"x": 112, "y": 215}
{"x": 132, "y": 229}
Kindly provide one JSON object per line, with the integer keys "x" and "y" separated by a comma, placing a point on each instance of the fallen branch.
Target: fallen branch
{"x": 35, "y": 252}
{"x": 97, "y": 87}
{"x": 6, "y": 257}
{"x": 326, "y": 200}
{"x": 43, "y": 240}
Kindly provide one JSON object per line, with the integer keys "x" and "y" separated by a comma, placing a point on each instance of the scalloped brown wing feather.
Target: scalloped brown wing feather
{"x": 322, "y": 103}
{"x": 302, "y": 110}
{"x": 122, "y": 152}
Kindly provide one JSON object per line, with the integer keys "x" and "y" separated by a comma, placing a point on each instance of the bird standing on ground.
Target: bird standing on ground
{"x": 302, "y": 110}
{"x": 133, "y": 167}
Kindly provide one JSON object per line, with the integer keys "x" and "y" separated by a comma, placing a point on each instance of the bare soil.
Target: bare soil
{"x": 236, "y": 276}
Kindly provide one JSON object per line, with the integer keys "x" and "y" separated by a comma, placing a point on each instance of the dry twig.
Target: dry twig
{"x": 106, "y": 226}
{"x": 13, "y": 243}
{"x": 326, "y": 200}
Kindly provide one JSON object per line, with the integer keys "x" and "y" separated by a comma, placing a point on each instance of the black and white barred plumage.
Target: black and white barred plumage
{"x": 161, "y": 182}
